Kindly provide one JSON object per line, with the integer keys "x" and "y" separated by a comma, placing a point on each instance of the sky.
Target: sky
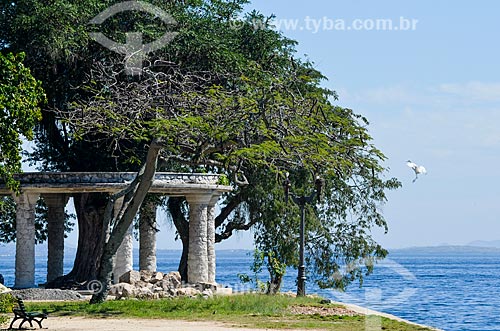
{"x": 430, "y": 87}
{"x": 431, "y": 94}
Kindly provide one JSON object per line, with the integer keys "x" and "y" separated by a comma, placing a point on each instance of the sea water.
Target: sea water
{"x": 453, "y": 291}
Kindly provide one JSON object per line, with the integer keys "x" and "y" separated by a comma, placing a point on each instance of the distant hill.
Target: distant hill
{"x": 447, "y": 250}
{"x": 483, "y": 243}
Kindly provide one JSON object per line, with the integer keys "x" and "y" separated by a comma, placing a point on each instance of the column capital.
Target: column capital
{"x": 26, "y": 198}
{"x": 201, "y": 198}
{"x": 215, "y": 197}
{"x": 55, "y": 199}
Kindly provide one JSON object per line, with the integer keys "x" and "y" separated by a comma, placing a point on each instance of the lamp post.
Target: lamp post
{"x": 302, "y": 201}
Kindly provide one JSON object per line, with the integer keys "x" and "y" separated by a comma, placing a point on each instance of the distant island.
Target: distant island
{"x": 447, "y": 249}
{"x": 482, "y": 243}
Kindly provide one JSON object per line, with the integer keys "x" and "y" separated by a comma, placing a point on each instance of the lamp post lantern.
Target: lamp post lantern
{"x": 302, "y": 201}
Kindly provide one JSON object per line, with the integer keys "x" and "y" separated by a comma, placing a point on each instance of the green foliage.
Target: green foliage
{"x": 20, "y": 96}
{"x": 6, "y": 303}
{"x": 7, "y": 219}
{"x": 275, "y": 267}
{"x": 223, "y": 180}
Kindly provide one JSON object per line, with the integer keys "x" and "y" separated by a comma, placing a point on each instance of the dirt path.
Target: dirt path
{"x": 107, "y": 324}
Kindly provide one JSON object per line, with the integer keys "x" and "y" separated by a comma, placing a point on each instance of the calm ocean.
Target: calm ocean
{"x": 452, "y": 290}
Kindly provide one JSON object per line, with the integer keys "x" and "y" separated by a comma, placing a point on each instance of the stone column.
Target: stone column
{"x": 211, "y": 238}
{"x": 25, "y": 240}
{"x": 198, "y": 249}
{"x": 147, "y": 236}
{"x": 55, "y": 261}
{"x": 124, "y": 254}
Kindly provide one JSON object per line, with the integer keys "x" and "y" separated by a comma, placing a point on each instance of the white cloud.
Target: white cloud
{"x": 444, "y": 120}
{"x": 381, "y": 95}
{"x": 473, "y": 91}
{"x": 443, "y": 96}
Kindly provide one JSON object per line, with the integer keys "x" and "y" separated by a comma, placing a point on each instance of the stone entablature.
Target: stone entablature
{"x": 172, "y": 184}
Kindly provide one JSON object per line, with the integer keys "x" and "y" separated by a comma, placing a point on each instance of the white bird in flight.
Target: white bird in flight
{"x": 418, "y": 169}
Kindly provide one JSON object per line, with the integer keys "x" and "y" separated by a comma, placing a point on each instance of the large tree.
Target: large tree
{"x": 217, "y": 99}
{"x": 250, "y": 121}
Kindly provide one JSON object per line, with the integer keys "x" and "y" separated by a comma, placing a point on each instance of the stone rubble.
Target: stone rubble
{"x": 147, "y": 284}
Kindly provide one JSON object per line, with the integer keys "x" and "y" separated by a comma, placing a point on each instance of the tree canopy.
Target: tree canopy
{"x": 254, "y": 122}
{"x": 20, "y": 97}
{"x": 222, "y": 97}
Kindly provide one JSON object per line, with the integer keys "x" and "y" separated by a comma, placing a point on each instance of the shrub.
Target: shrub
{"x": 6, "y": 303}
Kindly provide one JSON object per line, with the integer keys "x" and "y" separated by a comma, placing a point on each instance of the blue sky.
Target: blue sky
{"x": 432, "y": 95}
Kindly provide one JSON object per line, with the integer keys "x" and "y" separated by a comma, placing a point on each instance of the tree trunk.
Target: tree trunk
{"x": 90, "y": 212}
{"x": 182, "y": 225}
{"x": 275, "y": 284}
{"x": 276, "y": 273}
{"x": 183, "y": 263}
{"x": 133, "y": 196}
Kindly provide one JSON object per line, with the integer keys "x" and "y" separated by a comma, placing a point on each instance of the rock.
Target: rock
{"x": 207, "y": 286}
{"x": 224, "y": 291}
{"x": 188, "y": 292}
{"x": 146, "y": 275}
{"x": 173, "y": 278}
{"x": 4, "y": 289}
{"x": 207, "y": 293}
{"x": 165, "y": 286}
{"x": 156, "y": 277}
{"x": 130, "y": 277}
{"x": 141, "y": 283}
{"x": 128, "y": 291}
{"x": 144, "y": 293}
{"x": 164, "y": 294}
{"x": 2, "y": 280}
{"x": 117, "y": 289}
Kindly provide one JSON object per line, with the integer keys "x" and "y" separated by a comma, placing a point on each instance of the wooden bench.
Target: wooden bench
{"x": 20, "y": 313}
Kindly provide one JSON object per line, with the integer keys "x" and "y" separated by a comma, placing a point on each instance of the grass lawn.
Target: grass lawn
{"x": 250, "y": 310}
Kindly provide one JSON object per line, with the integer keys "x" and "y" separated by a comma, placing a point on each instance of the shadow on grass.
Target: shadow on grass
{"x": 59, "y": 310}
